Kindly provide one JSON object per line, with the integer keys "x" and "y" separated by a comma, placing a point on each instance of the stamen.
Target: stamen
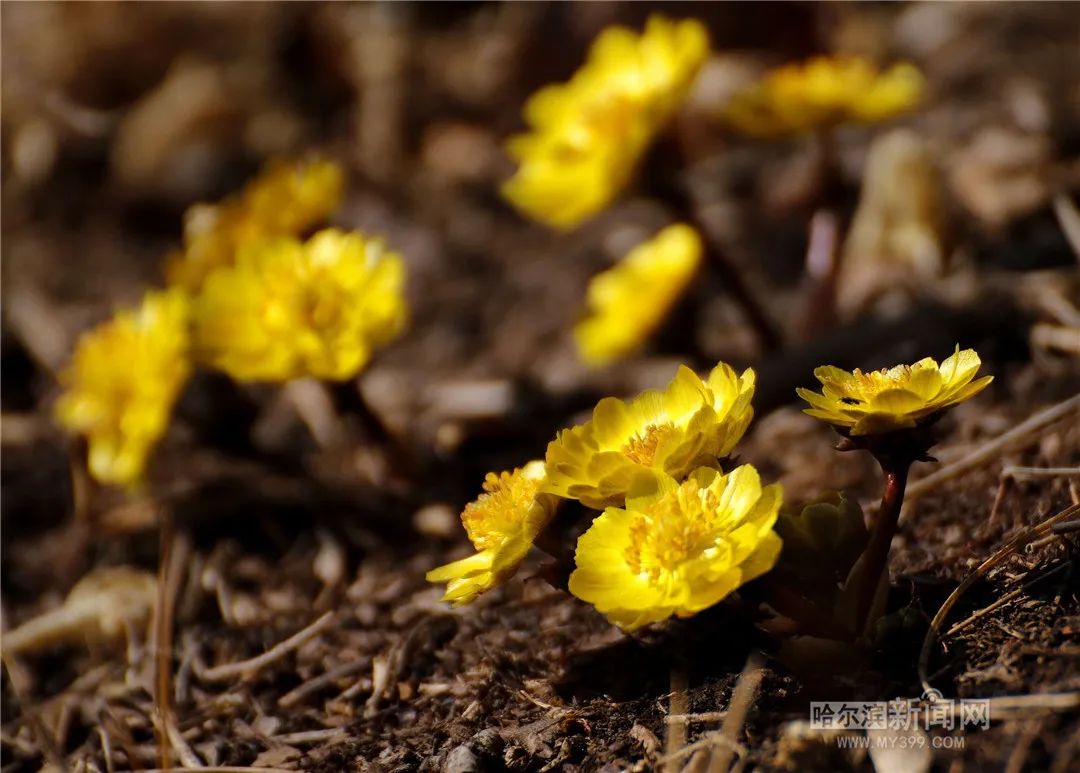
{"x": 642, "y": 447}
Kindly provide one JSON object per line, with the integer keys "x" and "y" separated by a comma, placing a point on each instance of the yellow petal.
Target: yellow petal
{"x": 678, "y": 549}
{"x": 465, "y": 567}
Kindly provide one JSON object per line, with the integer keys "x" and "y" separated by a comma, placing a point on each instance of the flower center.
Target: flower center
{"x": 500, "y": 511}
{"x": 658, "y": 546}
{"x": 676, "y": 529}
{"x": 641, "y": 448}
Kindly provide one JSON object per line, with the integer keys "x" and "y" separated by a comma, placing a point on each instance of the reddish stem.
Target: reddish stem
{"x": 884, "y": 529}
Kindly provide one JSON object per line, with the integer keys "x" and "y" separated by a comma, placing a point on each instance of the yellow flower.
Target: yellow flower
{"x": 121, "y": 384}
{"x": 825, "y": 91}
{"x": 689, "y": 424}
{"x": 628, "y": 302}
{"x": 286, "y": 199}
{"x": 588, "y": 134}
{"x": 897, "y": 398}
{"x": 288, "y": 309}
{"x": 680, "y": 549}
{"x": 502, "y": 524}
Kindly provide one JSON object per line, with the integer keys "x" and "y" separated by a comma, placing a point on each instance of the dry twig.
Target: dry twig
{"x": 708, "y": 741}
{"x": 996, "y": 559}
{"x": 227, "y": 671}
{"x": 313, "y": 685}
{"x": 742, "y": 698}
{"x": 175, "y": 548}
{"x": 1069, "y": 220}
{"x": 1025, "y": 432}
{"x": 999, "y": 603}
{"x": 675, "y": 732}
{"x": 1022, "y": 473}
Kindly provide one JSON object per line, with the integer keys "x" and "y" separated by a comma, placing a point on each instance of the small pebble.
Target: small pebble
{"x": 437, "y": 519}
{"x": 461, "y": 760}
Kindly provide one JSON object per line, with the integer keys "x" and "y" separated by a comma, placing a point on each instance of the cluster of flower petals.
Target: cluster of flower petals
{"x": 680, "y": 548}
{"x": 692, "y": 422}
{"x": 502, "y": 524}
{"x": 823, "y": 92}
{"x": 587, "y": 136}
{"x": 650, "y": 465}
{"x": 629, "y": 301}
{"x": 288, "y": 309}
{"x": 895, "y": 398}
{"x": 121, "y": 383}
{"x": 285, "y": 199}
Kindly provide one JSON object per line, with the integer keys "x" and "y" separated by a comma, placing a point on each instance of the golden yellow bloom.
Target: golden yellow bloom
{"x": 628, "y": 302}
{"x": 896, "y": 398}
{"x": 286, "y": 199}
{"x": 689, "y": 424}
{"x": 502, "y": 524}
{"x": 825, "y": 91}
{"x": 288, "y": 309}
{"x": 679, "y": 549}
{"x": 121, "y": 384}
{"x": 587, "y": 135}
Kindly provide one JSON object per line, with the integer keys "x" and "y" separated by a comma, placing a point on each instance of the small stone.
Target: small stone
{"x": 487, "y": 743}
{"x": 461, "y": 760}
{"x": 438, "y": 520}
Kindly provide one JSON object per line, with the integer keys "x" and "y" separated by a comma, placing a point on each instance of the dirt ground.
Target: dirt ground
{"x": 116, "y": 117}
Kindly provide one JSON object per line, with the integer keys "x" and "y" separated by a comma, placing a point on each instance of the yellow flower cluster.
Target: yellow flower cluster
{"x": 626, "y": 445}
{"x": 676, "y": 536}
{"x": 286, "y": 199}
{"x": 247, "y": 298}
{"x": 502, "y": 524}
{"x": 586, "y": 136}
{"x": 629, "y": 301}
{"x": 680, "y": 549}
{"x": 823, "y": 92}
{"x": 122, "y": 382}
{"x": 897, "y": 398}
{"x": 288, "y": 309}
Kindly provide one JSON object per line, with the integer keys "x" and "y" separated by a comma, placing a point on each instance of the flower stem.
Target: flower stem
{"x": 876, "y": 555}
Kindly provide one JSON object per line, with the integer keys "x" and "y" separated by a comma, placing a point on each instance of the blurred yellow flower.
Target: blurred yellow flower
{"x": 286, "y": 199}
{"x": 679, "y": 549}
{"x": 689, "y": 424}
{"x": 288, "y": 309}
{"x": 629, "y": 301}
{"x": 502, "y": 524}
{"x": 587, "y": 135}
{"x": 896, "y": 398}
{"x": 824, "y": 91}
{"x": 121, "y": 384}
